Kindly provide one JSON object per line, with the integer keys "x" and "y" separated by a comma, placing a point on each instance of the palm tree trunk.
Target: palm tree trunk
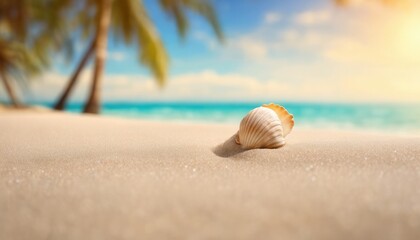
{"x": 62, "y": 101}
{"x": 9, "y": 90}
{"x": 93, "y": 104}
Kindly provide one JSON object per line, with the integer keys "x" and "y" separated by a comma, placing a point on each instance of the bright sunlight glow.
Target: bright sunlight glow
{"x": 410, "y": 37}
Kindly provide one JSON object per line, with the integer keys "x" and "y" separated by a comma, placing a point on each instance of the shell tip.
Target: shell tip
{"x": 285, "y": 117}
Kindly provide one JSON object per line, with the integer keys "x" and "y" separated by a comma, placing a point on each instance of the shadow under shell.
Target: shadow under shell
{"x": 228, "y": 148}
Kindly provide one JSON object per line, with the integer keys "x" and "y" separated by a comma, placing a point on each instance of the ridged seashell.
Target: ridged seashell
{"x": 265, "y": 127}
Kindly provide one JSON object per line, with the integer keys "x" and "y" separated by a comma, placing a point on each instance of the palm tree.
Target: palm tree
{"x": 9, "y": 90}
{"x": 130, "y": 22}
{"x": 12, "y": 13}
{"x": 5, "y": 64}
{"x": 104, "y": 17}
{"x": 16, "y": 62}
{"x": 24, "y": 52}
{"x": 61, "y": 102}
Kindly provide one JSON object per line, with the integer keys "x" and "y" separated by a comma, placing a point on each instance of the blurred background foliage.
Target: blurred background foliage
{"x": 31, "y": 31}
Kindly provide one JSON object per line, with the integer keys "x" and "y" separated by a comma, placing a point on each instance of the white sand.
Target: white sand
{"x": 73, "y": 177}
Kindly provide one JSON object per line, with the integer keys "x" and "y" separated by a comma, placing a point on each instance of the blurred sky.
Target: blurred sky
{"x": 296, "y": 50}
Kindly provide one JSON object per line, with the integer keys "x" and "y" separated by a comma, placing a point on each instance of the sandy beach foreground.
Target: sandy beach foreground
{"x": 85, "y": 177}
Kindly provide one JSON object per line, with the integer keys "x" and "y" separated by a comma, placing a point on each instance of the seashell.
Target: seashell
{"x": 265, "y": 127}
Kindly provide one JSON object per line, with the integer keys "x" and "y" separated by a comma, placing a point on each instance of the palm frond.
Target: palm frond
{"x": 174, "y": 9}
{"x": 152, "y": 53}
{"x": 131, "y": 23}
{"x": 15, "y": 16}
{"x": 122, "y": 23}
{"x": 177, "y": 8}
{"x": 205, "y": 9}
{"x": 17, "y": 60}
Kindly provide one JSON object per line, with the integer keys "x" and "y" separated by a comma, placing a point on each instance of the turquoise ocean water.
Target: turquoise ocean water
{"x": 384, "y": 117}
